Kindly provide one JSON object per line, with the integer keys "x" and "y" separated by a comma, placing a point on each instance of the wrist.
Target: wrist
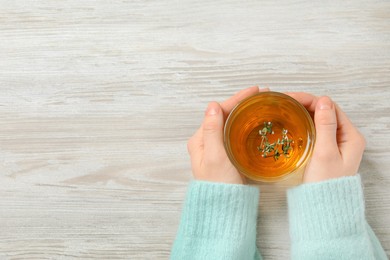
{"x": 216, "y": 209}
{"x": 327, "y": 209}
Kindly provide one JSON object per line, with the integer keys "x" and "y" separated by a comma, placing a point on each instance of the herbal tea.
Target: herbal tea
{"x": 269, "y": 136}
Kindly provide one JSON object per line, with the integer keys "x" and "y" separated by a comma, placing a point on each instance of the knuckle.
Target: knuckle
{"x": 324, "y": 155}
{"x": 326, "y": 119}
{"x": 211, "y": 126}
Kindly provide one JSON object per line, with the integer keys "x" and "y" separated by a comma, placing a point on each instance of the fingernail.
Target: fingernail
{"x": 211, "y": 110}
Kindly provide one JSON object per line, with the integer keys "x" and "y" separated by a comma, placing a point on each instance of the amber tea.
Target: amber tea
{"x": 269, "y": 136}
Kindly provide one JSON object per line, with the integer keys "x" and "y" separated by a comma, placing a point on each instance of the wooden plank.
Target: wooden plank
{"x": 98, "y": 99}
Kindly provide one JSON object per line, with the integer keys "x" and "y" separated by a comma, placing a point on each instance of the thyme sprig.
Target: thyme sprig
{"x": 275, "y": 149}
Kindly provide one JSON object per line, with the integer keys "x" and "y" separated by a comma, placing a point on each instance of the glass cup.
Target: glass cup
{"x": 269, "y": 136}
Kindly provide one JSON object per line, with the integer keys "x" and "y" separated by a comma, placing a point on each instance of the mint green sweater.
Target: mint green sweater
{"x": 327, "y": 221}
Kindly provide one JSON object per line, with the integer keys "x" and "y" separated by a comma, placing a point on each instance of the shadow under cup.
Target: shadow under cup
{"x": 242, "y": 138}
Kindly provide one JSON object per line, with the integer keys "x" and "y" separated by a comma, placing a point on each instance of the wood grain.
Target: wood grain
{"x": 99, "y": 97}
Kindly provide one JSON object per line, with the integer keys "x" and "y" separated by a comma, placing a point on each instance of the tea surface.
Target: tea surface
{"x": 245, "y": 138}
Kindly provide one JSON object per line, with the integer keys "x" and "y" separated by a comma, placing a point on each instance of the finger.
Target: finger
{"x": 231, "y": 102}
{"x": 326, "y": 127}
{"x": 309, "y": 101}
{"x": 213, "y": 131}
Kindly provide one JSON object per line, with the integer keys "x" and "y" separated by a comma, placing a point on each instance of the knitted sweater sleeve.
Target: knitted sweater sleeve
{"x": 327, "y": 221}
{"x": 218, "y": 222}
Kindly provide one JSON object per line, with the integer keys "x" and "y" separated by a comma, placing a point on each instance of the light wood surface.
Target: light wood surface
{"x": 98, "y": 98}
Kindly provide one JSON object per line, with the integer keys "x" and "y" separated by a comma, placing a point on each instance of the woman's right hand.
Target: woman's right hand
{"x": 339, "y": 145}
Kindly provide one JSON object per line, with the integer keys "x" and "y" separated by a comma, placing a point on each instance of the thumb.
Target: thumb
{"x": 326, "y": 125}
{"x": 213, "y": 130}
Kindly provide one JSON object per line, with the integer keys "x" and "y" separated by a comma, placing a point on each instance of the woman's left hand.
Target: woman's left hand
{"x": 208, "y": 156}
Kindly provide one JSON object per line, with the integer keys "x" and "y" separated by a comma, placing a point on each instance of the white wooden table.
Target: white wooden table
{"x": 98, "y": 98}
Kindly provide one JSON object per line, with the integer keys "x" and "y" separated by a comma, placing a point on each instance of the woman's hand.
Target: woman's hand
{"x": 339, "y": 145}
{"x": 208, "y": 156}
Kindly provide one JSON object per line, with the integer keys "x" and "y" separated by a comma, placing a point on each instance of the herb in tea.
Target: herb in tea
{"x": 275, "y": 149}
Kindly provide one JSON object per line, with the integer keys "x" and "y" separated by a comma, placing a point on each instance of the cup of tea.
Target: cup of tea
{"x": 269, "y": 136}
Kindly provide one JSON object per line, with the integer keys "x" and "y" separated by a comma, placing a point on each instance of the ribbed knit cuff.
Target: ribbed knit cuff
{"x": 216, "y": 210}
{"x": 328, "y": 209}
